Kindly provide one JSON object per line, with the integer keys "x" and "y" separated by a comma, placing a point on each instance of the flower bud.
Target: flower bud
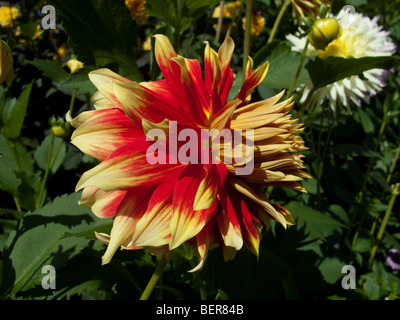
{"x": 323, "y": 32}
{"x": 6, "y": 63}
{"x": 74, "y": 65}
{"x": 59, "y": 127}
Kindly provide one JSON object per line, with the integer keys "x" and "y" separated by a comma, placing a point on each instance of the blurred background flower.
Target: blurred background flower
{"x": 8, "y": 16}
{"x": 393, "y": 259}
{"x": 360, "y": 37}
{"x": 257, "y": 24}
{"x": 138, "y": 10}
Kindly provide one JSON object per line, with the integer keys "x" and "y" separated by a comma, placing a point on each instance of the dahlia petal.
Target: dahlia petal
{"x": 244, "y": 189}
{"x": 103, "y": 204}
{"x": 204, "y": 240}
{"x": 231, "y": 237}
{"x": 252, "y": 81}
{"x": 193, "y": 95}
{"x": 100, "y": 132}
{"x": 103, "y": 79}
{"x": 115, "y": 172}
{"x": 131, "y": 209}
{"x": 224, "y": 115}
{"x": 215, "y": 176}
{"x": 187, "y": 223}
{"x": 153, "y": 229}
{"x": 139, "y": 103}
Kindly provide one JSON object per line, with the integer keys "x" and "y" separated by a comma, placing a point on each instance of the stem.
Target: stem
{"x": 395, "y": 193}
{"x": 71, "y": 104}
{"x": 46, "y": 173}
{"x": 278, "y": 20}
{"x": 247, "y": 35}
{"x": 219, "y": 27}
{"x": 300, "y": 67}
{"x": 360, "y": 195}
{"x": 307, "y": 102}
{"x": 154, "y": 278}
{"x": 19, "y": 169}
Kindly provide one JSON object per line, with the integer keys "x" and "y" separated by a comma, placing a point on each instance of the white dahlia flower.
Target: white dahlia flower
{"x": 360, "y": 37}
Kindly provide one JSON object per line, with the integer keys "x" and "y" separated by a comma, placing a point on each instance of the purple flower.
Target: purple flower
{"x": 393, "y": 259}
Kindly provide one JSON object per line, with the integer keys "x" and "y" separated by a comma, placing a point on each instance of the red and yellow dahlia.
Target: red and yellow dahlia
{"x": 203, "y": 200}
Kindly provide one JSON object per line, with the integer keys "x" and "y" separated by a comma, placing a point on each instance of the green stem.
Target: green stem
{"x": 247, "y": 35}
{"x": 395, "y": 193}
{"x": 306, "y": 103}
{"x": 220, "y": 18}
{"x": 71, "y": 104}
{"x": 360, "y": 195}
{"x": 154, "y": 278}
{"x": 319, "y": 156}
{"x": 300, "y": 67}
{"x": 278, "y": 21}
{"x": 46, "y": 173}
{"x": 19, "y": 168}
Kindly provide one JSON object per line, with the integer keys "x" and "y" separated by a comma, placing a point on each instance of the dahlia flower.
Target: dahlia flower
{"x": 257, "y": 24}
{"x": 308, "y": 8}
{"x": 198, "y": 199}
{"x": 360, "y": 37}
{"x": 137, "y": 9}
{"x": 8, "y": 15}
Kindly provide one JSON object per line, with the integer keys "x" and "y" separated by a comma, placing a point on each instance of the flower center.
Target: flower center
{"x": 336, "y": 48}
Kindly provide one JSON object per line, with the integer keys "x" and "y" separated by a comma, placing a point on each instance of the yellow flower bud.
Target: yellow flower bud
{"x": 323, "y": 32}
{"x": 74, "y": 65}
{"x": 6, "y": 63}
{"x": 60, "y": 131}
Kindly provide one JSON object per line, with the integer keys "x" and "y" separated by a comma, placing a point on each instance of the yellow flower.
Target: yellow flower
{"x": 8, "y": 16}
{"x": 137, "y": 9}
{"x": 323, "y": 32}
{"x": 257, "y": 24}
{"x": 6, "y": 63}
{"x": 309, "y": 8}
{"x": 230, "y": 10}
{"x": 146, "y": 45}
{"x": 74, "y": 65}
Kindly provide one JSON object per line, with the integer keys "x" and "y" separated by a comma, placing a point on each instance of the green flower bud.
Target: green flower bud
{"x": 6, "y": 63}
{"x": 323, "y": 32}
{"x": 59, "y": 127}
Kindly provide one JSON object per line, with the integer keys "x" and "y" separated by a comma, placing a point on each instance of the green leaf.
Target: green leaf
{"x": 326, "y": 71}
{"x": 331, "y": 269}
{"x": 42, "y": 153}
{"x": 101, "y": 33}
{"x": 16, "y": 114}
{"x": 283, "y": 65}
{"x": 180, "y": 14}
{"x": 40, "y": 240}
{"x": 51, "y": 69}
{"x": 9, "y": 181}
{"x": 317, "y": 224}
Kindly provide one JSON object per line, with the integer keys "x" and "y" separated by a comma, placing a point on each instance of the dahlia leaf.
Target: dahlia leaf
{"x": 16, "y": 114}
{"x": 100, "y": 33}
{"x": 40, "y": 240}
{"x": 42, "y": 153}
{"x": 283, "y": 64}
{"x": 326, "y": 71}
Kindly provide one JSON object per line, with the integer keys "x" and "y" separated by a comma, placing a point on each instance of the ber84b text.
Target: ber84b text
{"x": 217, "y": 309}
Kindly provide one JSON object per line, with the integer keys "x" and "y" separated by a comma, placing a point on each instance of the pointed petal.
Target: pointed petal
{"x": 204, "y": 240}
{"x": 187, "y": 223}
{"x": 131, "y": 209}
{"x": 103, "y": 204}
{"x": 252, "y": 81}
{"x": 100, "y": 132}
{"x": 103, "y": 79}
{"x": 153, "y": 229}
{"x": 125, "y": 168}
